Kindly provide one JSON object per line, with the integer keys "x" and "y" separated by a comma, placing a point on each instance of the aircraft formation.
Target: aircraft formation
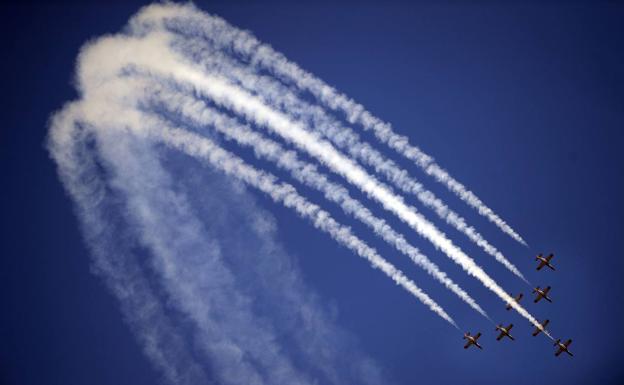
{"x": 540, "y": 293}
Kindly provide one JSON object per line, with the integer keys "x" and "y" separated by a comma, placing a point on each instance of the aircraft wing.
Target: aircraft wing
{"x": 549, "y": 257}
{"x": 509, "y": 327}
{"x": 477, "y": 336}
{"x": 500, "y": 336}
{"x": 539, "y": 297}
{"x": 567, "y": 343}
{"x": 546, "y": 290}
{"x": 558, "y": 352}
{"x": 467, "y": 344}
{"x": 541, "y": 264}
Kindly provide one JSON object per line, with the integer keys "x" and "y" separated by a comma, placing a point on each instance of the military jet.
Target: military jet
{"x": 472, "y": 340}
{"x": 504, "y": 332}
{"x": 563, "y": 347}
{"x": 541, "y": 293}
{"x": 517, "y": 299}
{"x": 538, "y": 330}
{"x": 544, "y": 261}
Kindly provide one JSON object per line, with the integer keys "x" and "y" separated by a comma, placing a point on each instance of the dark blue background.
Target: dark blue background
{"x": 523, "y": 103}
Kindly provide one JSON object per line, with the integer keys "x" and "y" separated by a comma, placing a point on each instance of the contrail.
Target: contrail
{"x": 251, "y": 108}
{"x": 273, "y": 93}
{"x": 72, "y": 149}
{"x": 200, "y": 114}
{"x": 113, "y": 259}
{"x": 263, "y": 56}
{"x": 287, "y": 195}
{"x": 151, "y": 53}
{"x": 161, "y": 86}
{"x": 200, "y": 147}
{"x": 193, "y": 277}
{"x": 96, "y": 78}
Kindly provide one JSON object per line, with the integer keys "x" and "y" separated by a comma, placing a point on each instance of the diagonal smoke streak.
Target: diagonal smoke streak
{"x": 252, "y": 109}
{"x": 177, "y": 240}
{"x": 287, "y": 195}
{"x": 264, "y": 57}
{"x": 194, "y": 145}
{"x": 200, "y": 114}
{"x": 176, "y": 243}
{"x": 151, "y": 52}
{"x": 112, "y": 258}
{"x": 160, "y": 219}
{"x": 103, "y": 61}
{"x": 272, "y": 92}
{"x": 62, "y": 141}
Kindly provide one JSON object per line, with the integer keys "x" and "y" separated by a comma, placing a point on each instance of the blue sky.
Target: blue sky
{"x": 522, "y": 103}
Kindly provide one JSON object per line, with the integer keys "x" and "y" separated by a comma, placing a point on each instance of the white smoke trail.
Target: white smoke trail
{"x": 177, "y": 242}
{"x": 200, "y": 114}
{"x": 287, "y": 195}
{"x": 82, "y": 180}
{"x": 112, "y": 257}
{"x": 151, "y": 53}
{"x": 251, "y": 108}
{"x": 163, "y": 222}
{"x": 263, "y": 56}
{"x": 272, "y": 92}
{"x": 104, "y": 61}
{"x": 138, "y": 176}
{"x": 149, "y": 127}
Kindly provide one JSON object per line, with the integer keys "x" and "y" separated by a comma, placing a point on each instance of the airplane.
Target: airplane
{"x": 472, "y": 340}
{"x": 544, "y": 261}
{"x": 504, "y": 332}
{"x": 563, "y": 347}
{"x": 517, "y": 299}
{"x": 538, "y": 330}
{"x": 542, "y": 293}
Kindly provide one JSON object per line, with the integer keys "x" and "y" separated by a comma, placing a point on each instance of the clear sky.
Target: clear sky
{"x": 522, "y": 103}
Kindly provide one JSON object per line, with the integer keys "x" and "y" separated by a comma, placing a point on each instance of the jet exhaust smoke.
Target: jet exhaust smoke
{"x": 224, "y": 36}
{"x": 174, "y": 78}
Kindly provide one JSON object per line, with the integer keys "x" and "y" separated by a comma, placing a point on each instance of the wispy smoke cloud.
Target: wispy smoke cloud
{"x": 150, "y": 100}
{"x": 202, "y": 115}
{"x": 113, "y": 257}
{"x": 225, "y": 36}
{"x": 144, "y": 51}
{"x": 274, "y": 93}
